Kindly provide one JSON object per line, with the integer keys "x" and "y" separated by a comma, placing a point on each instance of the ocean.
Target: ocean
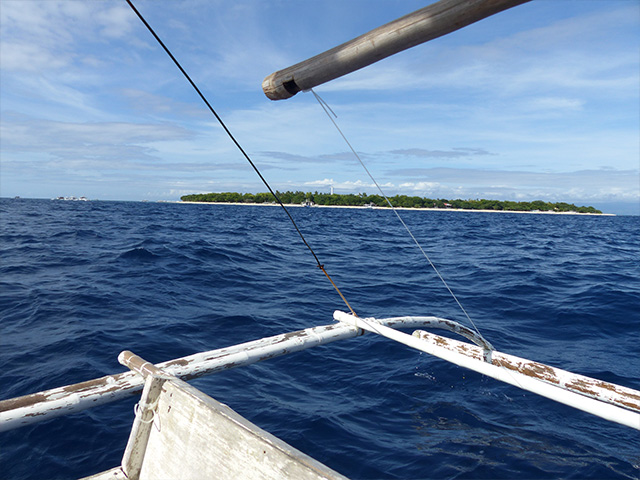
{"x": 82, "y": 281}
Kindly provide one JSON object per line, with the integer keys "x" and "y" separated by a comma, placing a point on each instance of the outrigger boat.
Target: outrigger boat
{"x": 180, "y": 432}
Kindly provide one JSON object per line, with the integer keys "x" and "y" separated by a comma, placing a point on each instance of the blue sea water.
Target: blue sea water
{"x": 81, "y": 281}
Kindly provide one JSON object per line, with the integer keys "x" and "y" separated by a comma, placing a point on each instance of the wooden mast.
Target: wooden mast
{"x": 413, "y": 29}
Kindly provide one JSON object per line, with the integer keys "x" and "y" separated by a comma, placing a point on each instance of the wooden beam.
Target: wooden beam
{"x": 134, "y": 453}
{"x": 413, "y": 29}
{"x": 606, "y": 400}
{"x": 36, "y": 407}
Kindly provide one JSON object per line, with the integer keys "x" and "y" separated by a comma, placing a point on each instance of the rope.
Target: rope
{"x": 327, "y": 109}
{"x": 338, "y": 290}
{"x": 246, "y": 156}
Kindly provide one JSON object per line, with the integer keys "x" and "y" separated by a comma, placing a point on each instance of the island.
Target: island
{"x": 399, "y": 201}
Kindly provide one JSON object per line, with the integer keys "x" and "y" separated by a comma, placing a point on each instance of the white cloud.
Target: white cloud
{"x": 73, "y": 142}
{"x": 579, "y": 52}
{"x": 419, "y": 186}
{"x": 555, "y": 103}
{"x": 41, "y": 36}
{"x": 509, "y": 106}
{"x": 149, "y": 103}
{"x": 346, "y": 185}
{"x": 30, "y": 57}
{"x": 114, "y": 22}
{"x": 453, "y": 153}
{"x": 585, "y": 185}
{"x": 327, "y": 182}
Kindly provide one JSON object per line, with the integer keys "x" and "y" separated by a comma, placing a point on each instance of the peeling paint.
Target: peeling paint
{"x": 72, "y": 398}
{"x": 591, "y": 387}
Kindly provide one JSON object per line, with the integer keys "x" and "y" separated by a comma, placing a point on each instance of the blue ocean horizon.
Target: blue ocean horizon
{"x": 82, "y": 281}
{"x": 619, "y": 208}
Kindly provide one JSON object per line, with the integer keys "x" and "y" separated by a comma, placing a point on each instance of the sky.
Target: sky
{"x": 538, "y": 102}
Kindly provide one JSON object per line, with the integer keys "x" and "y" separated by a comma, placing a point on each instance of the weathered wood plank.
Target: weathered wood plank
{"x": 36, "y": 407}
{"x": 134, "y": 454}
{"x": 198, "y": 437}
{"x": 431, "y": 22}
{"x": 611, "y": 402}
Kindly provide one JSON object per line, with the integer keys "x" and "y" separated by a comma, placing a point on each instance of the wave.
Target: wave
{"x": 139, "y": 254}
{"x": 80, "y": 283}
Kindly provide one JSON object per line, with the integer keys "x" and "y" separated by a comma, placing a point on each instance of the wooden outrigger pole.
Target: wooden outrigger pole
{"x": 430, "y": 22}
{"x": 612, "y": 402}
{"x": 606, "y": 400}
{"x": 37, "y": 407}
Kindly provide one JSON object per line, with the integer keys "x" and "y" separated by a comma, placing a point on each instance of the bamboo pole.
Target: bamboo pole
{"x": 41, "y": 406}
{"x": 430, "y": 22}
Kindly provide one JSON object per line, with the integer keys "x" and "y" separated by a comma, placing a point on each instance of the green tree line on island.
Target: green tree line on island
{"x": 404, "y": 201}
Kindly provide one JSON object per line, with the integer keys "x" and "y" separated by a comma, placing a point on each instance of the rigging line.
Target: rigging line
{"x": 327, "y": 109}
{"x": 228, "y": 132}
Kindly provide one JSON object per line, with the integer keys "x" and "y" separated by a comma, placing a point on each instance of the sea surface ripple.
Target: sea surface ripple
{"x": 82, "y": 281}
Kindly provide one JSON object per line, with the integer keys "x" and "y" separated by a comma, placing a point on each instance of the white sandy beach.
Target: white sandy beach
{"x": 295, "y": 205}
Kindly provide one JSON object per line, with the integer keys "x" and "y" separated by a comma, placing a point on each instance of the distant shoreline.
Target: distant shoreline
{"x": 295, "y": 205}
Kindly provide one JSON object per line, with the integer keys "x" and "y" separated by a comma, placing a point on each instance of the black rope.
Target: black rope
{"x": 215, "y": 114}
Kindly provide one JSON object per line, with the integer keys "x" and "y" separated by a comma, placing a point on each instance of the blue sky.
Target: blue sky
{"x": 538, "y": 102}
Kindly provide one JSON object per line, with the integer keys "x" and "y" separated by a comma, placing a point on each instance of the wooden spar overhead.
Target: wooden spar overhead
{"x": 418, "y": 27}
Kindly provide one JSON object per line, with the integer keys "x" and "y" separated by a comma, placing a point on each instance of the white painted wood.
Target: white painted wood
{"x": 143, "y": 423}
{"x": 199, "y": 437}
{"x": 505, "y": 370}
{"x": 618, "y": 395}
{"x": 181, "y": 433}
{"x": 438, "y": 323}
{"x": 431, "y": 22}
{"x": 36, "y": 407}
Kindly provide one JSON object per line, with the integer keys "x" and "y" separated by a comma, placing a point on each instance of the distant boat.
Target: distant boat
{"x": 72, "y": 199}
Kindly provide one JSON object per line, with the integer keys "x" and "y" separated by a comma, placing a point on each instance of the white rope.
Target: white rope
{"x": 140, "y": 408}
{"x": 327, "y": 109}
